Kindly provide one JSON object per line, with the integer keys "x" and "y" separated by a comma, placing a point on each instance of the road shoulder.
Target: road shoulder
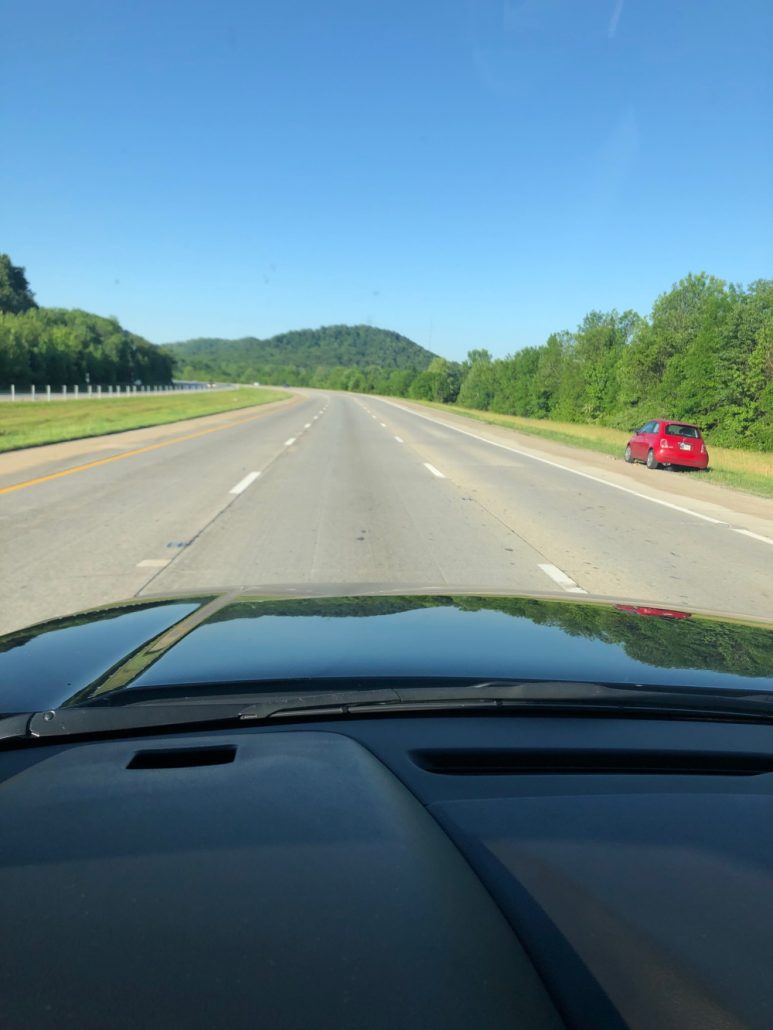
{"x": 686, "y": 489}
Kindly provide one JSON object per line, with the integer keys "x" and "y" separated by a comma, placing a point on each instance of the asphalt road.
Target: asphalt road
{"x": 334, "y": 491}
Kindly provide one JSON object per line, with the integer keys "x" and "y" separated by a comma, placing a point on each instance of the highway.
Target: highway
{"x": 335, "y": 492}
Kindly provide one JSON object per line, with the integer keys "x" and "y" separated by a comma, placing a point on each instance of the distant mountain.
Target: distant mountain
{"x": 304, "y": 351}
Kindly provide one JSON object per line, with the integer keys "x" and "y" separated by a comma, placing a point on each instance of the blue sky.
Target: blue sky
{"x": 468, "y": 173}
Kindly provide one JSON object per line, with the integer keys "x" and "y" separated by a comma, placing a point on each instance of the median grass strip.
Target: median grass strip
{"x": 33, "y": 423}
{"x": 743, "y": 470}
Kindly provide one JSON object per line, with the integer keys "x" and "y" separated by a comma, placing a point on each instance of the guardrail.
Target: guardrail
{"x": 89, "y": 391}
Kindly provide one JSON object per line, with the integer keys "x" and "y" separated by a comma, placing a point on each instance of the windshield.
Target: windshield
{"x": 303, "y": 300}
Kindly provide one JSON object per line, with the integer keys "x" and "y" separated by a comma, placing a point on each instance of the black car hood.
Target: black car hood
{"x": 244, "y": 639}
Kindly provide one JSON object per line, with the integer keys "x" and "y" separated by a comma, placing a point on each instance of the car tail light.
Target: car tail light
{"x": 664, "y": 443}
{"x": 703, "y": 447}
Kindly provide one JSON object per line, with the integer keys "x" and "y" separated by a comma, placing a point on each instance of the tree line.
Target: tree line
{"x": 704, "y": 353}
{"x": 42, "y": 346}
{"x": 332, "y": 346}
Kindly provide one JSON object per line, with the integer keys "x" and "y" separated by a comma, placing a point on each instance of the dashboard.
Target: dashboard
{"x": 450, "y": 871}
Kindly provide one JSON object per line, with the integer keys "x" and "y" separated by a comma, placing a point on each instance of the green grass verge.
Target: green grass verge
{"x": 29, "y": 424}
{"x": 751, "y": 471}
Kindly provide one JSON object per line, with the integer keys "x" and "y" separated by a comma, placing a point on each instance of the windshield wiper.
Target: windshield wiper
{"x": 297, "y": 701}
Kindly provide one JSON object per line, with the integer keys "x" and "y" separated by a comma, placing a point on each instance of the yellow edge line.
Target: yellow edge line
{"x": 127, "y": 454}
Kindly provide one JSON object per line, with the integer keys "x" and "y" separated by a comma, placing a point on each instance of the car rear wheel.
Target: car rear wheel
{"x": 628, "y": 455}
{"x": 651, "y": 462}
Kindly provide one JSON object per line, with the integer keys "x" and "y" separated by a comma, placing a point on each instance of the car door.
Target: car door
{"x": 650, "y": 438}
{"x": 639, "y": 445}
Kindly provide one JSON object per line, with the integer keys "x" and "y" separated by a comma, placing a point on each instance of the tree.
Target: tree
{"x": 15, "y": 293}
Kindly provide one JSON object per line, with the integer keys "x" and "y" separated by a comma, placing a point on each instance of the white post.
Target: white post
{"x": 76, "y": 389}
{"x": 88, "y": 388}
{"x": 64, "y": 391}
{"x": 13, "y": 392}
{"x": 32, "y": 392}
{"x": 99, "y": 393}
{"x": 48, "y": 392}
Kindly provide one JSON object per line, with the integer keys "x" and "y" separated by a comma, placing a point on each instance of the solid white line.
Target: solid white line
{"x": 433, "y": 470}
{"x": 564, "y": 468}
{"x": 562, "y": 579}
{"x": 153, "y": 563}
{"x": 290, "y": 442}
{"x": 754, "y": 536}
{"x": 242, "y": 485}
{"x": 399, "y": 440}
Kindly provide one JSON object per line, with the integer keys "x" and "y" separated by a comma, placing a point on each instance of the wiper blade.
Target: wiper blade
{"x": 497, "y": 696}
{"x": 88, "y": 721}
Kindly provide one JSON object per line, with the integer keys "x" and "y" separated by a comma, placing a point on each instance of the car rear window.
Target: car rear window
{"x": 676, "y": 430}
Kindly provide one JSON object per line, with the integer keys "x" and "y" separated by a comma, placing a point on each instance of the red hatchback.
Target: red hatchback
{"x": 668, "y": 442}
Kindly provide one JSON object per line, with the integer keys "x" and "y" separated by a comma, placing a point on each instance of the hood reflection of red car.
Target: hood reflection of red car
{"x": 668, "y": 442}
{"x": 664, "y": 613}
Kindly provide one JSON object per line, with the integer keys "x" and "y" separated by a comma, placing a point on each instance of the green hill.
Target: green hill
{"x": 296, "y": 356}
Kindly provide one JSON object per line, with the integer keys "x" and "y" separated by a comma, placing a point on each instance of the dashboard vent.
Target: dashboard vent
{"x": 496, "y": 762}
{"x": 182, "y": 757}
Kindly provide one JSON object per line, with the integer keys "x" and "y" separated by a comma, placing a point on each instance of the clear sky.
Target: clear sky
{"x": 470, "y": 173}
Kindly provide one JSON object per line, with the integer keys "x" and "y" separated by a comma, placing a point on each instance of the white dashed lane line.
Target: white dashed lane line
{"x": 562, "y": 579}
{"x": 307, "y": 425}
{"x": 290, "y": 442}
{"x": 552, "y": 571}
{"x": 565, "y": 468}
{"x": 242, "y": 485}
{"x": 153, "y": 563}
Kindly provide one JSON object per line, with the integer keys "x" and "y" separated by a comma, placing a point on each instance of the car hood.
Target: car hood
{"x": 242, "y": 639}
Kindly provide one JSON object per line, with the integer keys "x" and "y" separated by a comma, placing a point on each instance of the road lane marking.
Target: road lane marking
{"x": 562, "y": 579}
{"x": 433, "y": 470}
{"x": 290, "y": 442}
{"x": 126, "y": 454}
{"x": 242, "y": 485}
{"x": 399, "y": 440}
{"x": 754, "y": 536}
{"x": 383, "y": 425}
{"x": 153, "y": 563}
{"x": 563, "y": 468}
{"x": 307, "y": 425}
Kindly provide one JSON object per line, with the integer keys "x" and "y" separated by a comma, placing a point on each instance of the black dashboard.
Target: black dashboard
{"x": 425, "y": 871}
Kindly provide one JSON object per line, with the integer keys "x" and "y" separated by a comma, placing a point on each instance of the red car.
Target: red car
{"x": 665, "y": 441}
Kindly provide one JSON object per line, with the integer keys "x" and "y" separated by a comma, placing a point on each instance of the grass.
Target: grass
{"x": 751, "y": 471}
{"x": 31, "y": 424}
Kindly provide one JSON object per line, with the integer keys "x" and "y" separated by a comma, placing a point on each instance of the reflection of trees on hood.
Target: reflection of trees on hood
{"x": 330, "y": 607}
{"x": 693, "y": 643}
{"x": 20, "y": 637}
